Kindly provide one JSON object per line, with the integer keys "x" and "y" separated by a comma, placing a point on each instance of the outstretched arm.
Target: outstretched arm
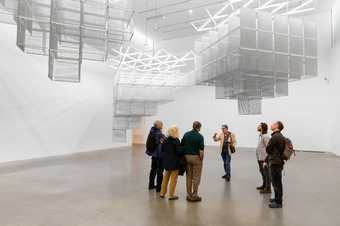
{"x": 216, "y": 137}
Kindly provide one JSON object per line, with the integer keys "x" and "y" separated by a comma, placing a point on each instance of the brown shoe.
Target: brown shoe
{"x": 260, "y": 188}
{"x": 193, "y": 199}
{"x": 196, "y": 199}
{"x": 266, "y": 191}
{"x": 173, "y": 198}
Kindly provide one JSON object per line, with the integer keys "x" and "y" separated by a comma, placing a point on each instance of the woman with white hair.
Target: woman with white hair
{"x": 172, "y": 153}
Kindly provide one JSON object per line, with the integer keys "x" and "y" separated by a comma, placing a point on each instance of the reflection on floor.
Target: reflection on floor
{"x": 109, "y": 188}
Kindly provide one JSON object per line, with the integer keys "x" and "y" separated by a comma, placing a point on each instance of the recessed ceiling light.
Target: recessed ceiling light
{"x": 190, "y": 11}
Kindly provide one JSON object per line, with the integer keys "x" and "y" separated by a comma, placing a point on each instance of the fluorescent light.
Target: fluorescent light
{"x": 214, "y": 20}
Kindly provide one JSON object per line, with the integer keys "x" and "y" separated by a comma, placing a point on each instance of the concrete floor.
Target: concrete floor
{"x": 109, "y": 188}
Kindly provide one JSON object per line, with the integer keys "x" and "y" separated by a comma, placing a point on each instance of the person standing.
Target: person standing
{"x": 153, "y": 149}
{"x": 172, "y": 153}
{"x": 275, "y": 149}
{"x": 227, "y": 145}
{"x": 261, "y": 155}
{"x": 193, "y": 144}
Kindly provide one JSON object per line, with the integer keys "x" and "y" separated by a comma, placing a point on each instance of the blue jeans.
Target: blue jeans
{"x": 226, "y": 162}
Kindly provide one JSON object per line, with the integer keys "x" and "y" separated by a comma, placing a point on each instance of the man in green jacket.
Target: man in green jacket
{"x": 193, "y": 143}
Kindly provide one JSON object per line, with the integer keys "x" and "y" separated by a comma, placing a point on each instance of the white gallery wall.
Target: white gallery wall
{"x": 306, "y": 112}
{"x": 334, "y": 58}
{"x": 41, "y": 118}
{"x": 302, "y": 112}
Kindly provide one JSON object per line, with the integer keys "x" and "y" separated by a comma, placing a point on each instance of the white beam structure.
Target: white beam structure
{"x": 218, "y": 17}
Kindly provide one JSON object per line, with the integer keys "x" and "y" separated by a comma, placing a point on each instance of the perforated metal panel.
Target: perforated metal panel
{"x": 249, "y": 106}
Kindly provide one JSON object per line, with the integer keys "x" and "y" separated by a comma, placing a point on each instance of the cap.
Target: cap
{"x": 224, "y": 126}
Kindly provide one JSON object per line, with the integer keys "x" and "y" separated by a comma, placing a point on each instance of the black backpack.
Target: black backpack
{"x": 151, "y": 144}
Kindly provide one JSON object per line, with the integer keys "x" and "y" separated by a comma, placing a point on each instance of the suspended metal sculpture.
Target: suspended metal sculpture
{"x": 255, "y": 55}
{"x": 68, "y": 31}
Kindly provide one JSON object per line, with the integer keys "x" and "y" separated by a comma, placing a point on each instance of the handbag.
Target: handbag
{"x": 232, "y": 148}
{"x": 231, "y": 144}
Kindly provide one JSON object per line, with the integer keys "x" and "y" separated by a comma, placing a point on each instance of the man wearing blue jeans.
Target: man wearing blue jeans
{"x": 226, "y": 161}
{"x": 226, "y": 139}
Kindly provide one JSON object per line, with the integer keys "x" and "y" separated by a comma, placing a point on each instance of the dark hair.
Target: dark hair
{"x": 280, "y": 125}
{"x": 196, "y": 125}
{"x": 264, "y": 128}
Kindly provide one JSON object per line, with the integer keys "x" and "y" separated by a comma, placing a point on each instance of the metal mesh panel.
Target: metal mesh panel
{"x": 265, "y": 40}
{"x": 281, "y": 43}
{"x": 7, "y": 11}
{"x": 249, "y": 106}
{"x": 119, "y": 135}
{"x": 296, "y": 45}
{"x": 281, "y": 87}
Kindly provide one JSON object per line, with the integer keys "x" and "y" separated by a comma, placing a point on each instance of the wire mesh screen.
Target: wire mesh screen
{"x": 68, "y": 31}
{"x": 255, "y": 55}
{"x": 134, "y": 101}
{"x": 249, "y": 106}
{"x": 119, "y": 135}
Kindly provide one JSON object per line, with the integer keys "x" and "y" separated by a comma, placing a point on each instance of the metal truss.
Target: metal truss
{"x": 255, "y": 55}
{"x": 217, "y": 17}
{"x": 68, "y": 31}
{"x": 160, "y": 62}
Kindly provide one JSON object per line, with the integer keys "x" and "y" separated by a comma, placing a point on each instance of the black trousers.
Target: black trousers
{"x": 276, "y": 175}
{"x": 264, "y": 171}
{"x": 156, "y": 171}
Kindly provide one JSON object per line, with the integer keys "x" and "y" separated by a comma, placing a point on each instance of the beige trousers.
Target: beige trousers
{"x": 194, "y": 171}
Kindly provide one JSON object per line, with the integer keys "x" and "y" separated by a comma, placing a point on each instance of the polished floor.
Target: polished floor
{"x": 109, "y": 188}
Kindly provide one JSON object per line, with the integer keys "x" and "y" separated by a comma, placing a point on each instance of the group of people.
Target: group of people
{"x": 172, "y": 157}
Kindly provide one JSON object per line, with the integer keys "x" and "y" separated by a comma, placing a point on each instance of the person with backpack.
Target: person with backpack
{"x": 275, "y": 150}
{"x": 153, "y": 149}
{"x": 172, "y": 154}
{"x": 227, "y": 146}
{"x": 261, "y": 156}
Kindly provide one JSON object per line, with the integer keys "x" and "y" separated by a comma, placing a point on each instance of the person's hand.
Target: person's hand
{"x": 215, "y": 134}
{"x": 265, "y": 165}
{"x": 162, "y": 140}
{"x": 201, "y": 155}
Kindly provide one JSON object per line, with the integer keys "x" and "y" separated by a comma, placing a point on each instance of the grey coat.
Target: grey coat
{"x": 261, "y": 152}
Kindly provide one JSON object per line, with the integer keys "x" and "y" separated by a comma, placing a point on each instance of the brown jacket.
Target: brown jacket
{"x": 231, "y": 140}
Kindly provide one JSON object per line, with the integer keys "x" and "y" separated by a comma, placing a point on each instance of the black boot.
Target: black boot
{"x": 151, "y": 187}
{"x": 275, "y": 205}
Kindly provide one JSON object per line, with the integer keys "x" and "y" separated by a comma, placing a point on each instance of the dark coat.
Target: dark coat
{"x": 158, "y": 136}
{"x": 275, "y": 149}
{"x": 172, "y": 153}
